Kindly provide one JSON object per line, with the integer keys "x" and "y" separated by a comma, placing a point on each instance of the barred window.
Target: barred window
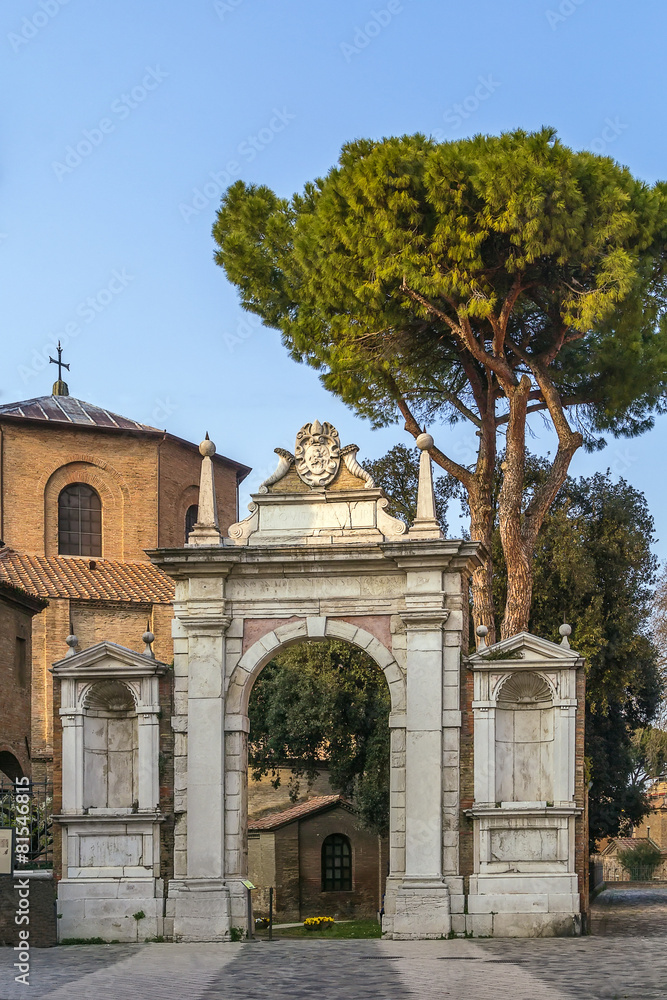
{"x": 336, "y": 864}
{"x": 79, "y": 521}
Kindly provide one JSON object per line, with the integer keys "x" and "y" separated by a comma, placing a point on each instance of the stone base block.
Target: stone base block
{"x": 416, "y": 909}
{"x": 201, "y": 909}
{"x": 110, "y": 909}
{"x": 521, "y": 905}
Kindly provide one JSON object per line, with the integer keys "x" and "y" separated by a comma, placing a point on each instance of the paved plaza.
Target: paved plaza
{"x": 626, "y": 958}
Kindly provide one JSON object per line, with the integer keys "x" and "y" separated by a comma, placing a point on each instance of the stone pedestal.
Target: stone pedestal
{"x": 416, "y": 908}
{"x": 198, "y": 909}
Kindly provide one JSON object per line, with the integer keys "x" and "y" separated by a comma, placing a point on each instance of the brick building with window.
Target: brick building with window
{"x": 83, "y": 493}
{"x": 17, "y": 609}
{"x": 319, "y": 860}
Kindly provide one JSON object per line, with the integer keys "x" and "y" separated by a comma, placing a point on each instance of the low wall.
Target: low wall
{"x": 42, "y": 908}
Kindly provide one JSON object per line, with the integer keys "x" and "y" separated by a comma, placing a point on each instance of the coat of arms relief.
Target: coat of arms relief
{"x": 317, "y": 453}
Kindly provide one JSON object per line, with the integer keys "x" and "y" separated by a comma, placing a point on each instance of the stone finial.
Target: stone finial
{"x": 148, "y": 638}
{"x": 481, "y": 632}
{"x": 207, "y": 529}
{"x": 565, "y": 631}
{"x": 426, "y": 523}
{"x": 72, "y": 642}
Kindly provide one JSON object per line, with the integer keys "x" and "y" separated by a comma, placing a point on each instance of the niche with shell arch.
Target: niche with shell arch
{"x": 524, "y": 744}
{"x": 110, "y": 747}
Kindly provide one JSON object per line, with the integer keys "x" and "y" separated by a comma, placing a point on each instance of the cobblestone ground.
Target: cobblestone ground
{"x": 625, "y": 959}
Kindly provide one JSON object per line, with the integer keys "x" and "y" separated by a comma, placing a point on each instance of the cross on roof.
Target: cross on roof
{"x": 61, "y": 364}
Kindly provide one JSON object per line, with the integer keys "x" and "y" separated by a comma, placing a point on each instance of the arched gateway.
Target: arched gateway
{"x": 487, "y": 833}
{"x": 318, "y": 557}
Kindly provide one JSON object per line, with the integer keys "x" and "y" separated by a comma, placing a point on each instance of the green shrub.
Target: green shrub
{"x": 644, "y": 856}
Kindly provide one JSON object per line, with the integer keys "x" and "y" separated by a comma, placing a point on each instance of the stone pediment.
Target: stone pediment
{"x": 318, "y": 495}
{"x": 524, "y": 651}
{"x": 108, "y": 659}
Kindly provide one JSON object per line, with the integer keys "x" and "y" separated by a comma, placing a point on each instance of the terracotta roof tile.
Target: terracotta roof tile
{"x": 299, "y": 811}
{"x": 72, "y": 576}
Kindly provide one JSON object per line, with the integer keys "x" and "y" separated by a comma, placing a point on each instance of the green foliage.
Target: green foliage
{"x": 594, "y": 569}
{"x": 372, "y": 270}
{"x": 645, "y": 857}
{"x": 325, "y": 705}
{"x": 649, "y": 751}
{"x": 397, "y": 473}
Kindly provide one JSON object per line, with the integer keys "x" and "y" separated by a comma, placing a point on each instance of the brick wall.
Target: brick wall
{"x": 128, "y": 470}
{"x": 15, "y": 675}
{"x": 179, "y": 488}
{"x": 287, "y": 873}
{"x": 467, "y": 774}
{"x": 42, "y": 900}
{"x": 581, "y": 799}
{"x": 368, "y": 875}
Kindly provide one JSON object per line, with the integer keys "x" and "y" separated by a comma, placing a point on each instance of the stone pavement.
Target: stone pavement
{"x": 625, "y": 960}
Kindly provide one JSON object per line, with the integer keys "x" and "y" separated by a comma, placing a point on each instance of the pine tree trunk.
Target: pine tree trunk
{"x": 481, "y": 530}
{"x": 518, "y": 555}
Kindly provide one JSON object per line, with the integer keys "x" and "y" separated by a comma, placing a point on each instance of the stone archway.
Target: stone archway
{"x": 318, "y": 557}
{"x": 243, "y": 677}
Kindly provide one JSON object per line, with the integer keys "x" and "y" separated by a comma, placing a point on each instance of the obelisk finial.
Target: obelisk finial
{"x": 207, "y": 529}
{"x": 426, "y": 523}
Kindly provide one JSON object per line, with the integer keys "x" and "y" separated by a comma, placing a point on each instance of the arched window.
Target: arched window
{"x": 79, "y": 521}
{"x": 336, "y": 864}
{"x": 191, "y": 516}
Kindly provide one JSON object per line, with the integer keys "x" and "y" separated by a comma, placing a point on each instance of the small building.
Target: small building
{"x": 319, "y": 861}
{"x": 614, "y": 871}
{"x": 654, "y": 825}
{"x": 17, "y": 608}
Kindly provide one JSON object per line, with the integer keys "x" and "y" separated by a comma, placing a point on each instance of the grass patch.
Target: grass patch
{"x": 349, "y": 929}
{"x": 95, "y": 940}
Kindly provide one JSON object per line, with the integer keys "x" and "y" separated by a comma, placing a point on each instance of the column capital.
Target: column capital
{"x": 205, "y": 624}
{"x": 425, "y": 618}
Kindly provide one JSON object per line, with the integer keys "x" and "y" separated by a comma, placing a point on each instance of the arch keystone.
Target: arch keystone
{"x": 317, "y": 627}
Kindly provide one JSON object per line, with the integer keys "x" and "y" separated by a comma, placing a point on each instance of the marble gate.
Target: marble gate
{"x": 319, "y": 557}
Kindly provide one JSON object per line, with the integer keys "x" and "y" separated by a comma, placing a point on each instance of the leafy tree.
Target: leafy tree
{"x": 649, "y": 746}
{"x": 594, "y": 569}
{"x": 478, "y": 280}
{"x": 398, "y": 474}
{"x": 325, "y": 705}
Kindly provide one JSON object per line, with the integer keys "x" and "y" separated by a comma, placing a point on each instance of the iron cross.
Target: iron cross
{"x": 61, "y": 364}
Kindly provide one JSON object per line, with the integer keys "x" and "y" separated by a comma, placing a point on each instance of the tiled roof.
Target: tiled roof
{"x": 68, "y": 410}
{"x": 299, "y": 811}
{"x": 623, "y": 843}
{"x": 73, "y": 576}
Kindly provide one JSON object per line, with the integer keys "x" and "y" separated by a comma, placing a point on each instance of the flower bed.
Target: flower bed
{"x": 318, "y": 923}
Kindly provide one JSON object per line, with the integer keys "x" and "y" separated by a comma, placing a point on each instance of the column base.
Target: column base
{"x": 416, "y": 909}
{"x": 200, "y": 909}
{"x": 106, "y": 908}
{"x": 524, "y": 905}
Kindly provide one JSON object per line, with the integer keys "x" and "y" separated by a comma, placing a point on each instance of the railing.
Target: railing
{"x": 616, "y": 872}
{"x": 38, "y": 819}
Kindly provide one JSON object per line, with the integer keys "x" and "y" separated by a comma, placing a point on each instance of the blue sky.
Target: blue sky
{"x": 122, "y": 123}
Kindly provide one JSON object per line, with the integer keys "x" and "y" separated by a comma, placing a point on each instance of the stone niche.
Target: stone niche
{"x": 110, "y": 816}
{"x": 527, "y": 802}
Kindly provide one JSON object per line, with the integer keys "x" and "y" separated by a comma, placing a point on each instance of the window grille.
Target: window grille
{"x": 79, "y": 521}
{"x": 336, "y": 864}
